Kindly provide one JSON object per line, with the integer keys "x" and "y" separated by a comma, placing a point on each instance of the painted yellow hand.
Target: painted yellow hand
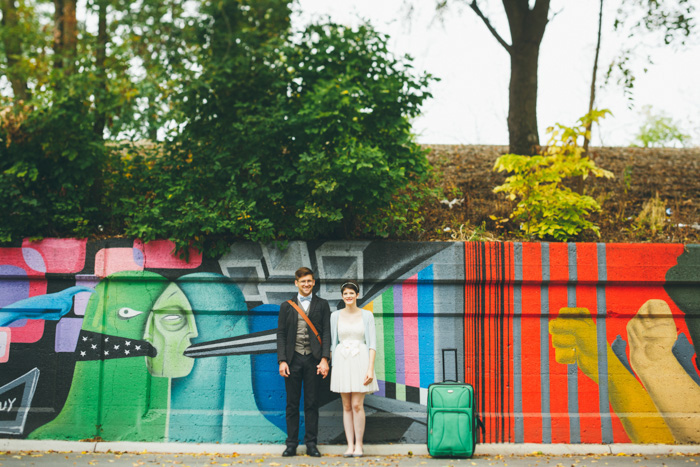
{"x": 574, "y": 340}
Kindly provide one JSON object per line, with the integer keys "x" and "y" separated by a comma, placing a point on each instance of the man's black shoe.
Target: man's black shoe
{"x": 290, "y": 451}
{"x": 313, "y": 451}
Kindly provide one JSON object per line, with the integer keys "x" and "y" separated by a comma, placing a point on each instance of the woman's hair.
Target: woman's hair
{"x": 352, "y": 285}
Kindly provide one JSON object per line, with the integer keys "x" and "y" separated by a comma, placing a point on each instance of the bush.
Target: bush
{"x": 546, "y": 207}
{"x": 51, "y": 167}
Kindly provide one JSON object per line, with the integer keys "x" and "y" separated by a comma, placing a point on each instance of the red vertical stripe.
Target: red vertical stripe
{"x": 586, "y": 297}
{"x": 558, "y": 391}
{"x": 530, "y": 348}
{"x": 510, "y": 271}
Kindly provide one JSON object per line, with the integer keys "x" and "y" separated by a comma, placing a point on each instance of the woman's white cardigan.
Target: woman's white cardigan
{"x": 367, "y": 320}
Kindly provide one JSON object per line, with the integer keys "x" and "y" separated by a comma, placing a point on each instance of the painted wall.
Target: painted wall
{"x": 565, "y": 343}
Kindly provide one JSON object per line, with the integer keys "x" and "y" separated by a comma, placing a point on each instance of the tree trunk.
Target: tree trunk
{"x": 13, "y": 50}
{"x": 65, "y": 34}
{"x": 100, "y": 60}
{"x": 523, "y": 136}
{"x": 591, "y": 101}
{"x": 527, "y": 26}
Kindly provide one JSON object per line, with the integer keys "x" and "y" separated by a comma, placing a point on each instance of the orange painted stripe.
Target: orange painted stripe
{"x": 530, "y": 349}
{"x": 558, "y": 390}
{"x": 586, "y": 297}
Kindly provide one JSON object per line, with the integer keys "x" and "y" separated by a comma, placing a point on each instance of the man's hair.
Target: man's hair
{"x": 303, "y": 271}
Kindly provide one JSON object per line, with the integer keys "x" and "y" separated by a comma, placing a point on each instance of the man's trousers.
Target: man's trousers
{"x": 302, "y": 374}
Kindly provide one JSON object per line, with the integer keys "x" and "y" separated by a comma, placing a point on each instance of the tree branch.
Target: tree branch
{"x": 486, "y": 21}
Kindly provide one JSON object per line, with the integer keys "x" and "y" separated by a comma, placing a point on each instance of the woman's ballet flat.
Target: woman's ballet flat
{"x": 347, "y": 454}
{"x": 357, "y": 454}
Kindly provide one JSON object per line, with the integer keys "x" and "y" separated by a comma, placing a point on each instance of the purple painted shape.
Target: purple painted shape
{"x": 34, "y": 259}
{"x": 382, "y": 388}
{"x": 18, "y": 324}
{"x": 398, "y": 335}
{"x": 139, "y": 258}
{"x": 12, "y": 289}
{"x": 67, "y": 331}
{"x": 81, "y": 299}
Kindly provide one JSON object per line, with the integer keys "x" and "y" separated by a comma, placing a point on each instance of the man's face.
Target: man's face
{"x": 305, "y": 284}
{"x": 170, "y": 328}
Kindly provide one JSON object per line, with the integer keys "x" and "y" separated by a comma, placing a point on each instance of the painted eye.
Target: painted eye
{"x": 128, "y": 313}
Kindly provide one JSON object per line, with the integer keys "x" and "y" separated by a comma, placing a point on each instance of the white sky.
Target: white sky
{"x": 470, "y": 103}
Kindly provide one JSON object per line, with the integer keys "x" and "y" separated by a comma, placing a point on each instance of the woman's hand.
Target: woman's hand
{"x": 369, "y": 377}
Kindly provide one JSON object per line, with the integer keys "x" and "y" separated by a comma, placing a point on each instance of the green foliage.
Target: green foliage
{"x": 659, "y": 130}
{"x": 268, "y": 135}
{"x": 644, "y": 23}
{"x": 304, "y": 139}
{"x": 546, "y": 207}
{"x": 50, "y": 172}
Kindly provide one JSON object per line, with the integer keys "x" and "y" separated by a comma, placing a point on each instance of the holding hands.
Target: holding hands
{"x": 322, "y": 368}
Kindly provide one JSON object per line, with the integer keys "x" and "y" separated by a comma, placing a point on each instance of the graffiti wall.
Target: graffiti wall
{"x": 584, "y": 343}
{"x": 565, "y": 343}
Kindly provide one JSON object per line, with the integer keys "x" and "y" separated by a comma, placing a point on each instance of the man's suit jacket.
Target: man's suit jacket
{"x": 319, "y": 313}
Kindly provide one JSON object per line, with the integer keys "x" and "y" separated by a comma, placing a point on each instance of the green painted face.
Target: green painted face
{"x": 170, "y": 328}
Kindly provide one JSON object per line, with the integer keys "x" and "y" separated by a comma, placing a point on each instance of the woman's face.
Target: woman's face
{"x": 349, "y": 296}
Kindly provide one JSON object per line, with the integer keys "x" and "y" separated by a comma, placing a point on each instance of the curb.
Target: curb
{"x": 503, "y": 449}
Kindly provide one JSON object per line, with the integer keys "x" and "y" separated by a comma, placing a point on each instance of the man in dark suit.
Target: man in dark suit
{"x": 303, "y": 360}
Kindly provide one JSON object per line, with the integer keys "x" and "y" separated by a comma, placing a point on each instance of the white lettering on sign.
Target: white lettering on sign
{"x": 7, "y": 405}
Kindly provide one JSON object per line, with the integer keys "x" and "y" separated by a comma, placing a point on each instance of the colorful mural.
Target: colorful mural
{"x": 585, "y": 343}
{"x": 565, "y": 343}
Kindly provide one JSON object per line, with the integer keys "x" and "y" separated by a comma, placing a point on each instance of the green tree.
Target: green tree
{"x": 267, "y": 135}
{"x": 527, "y": 22}
{"x": 661, "y": 22}
{"x": 288, "y": 139}
{"x": 659, "y": 130}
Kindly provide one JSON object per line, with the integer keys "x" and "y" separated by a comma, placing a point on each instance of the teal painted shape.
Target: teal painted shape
{"x": 51, "y": 306}
{"x": 216, "y": 399}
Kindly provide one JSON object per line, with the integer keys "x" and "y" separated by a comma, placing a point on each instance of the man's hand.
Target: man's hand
{"x": 284, "y": 369}
{"x": 322, "y": 368}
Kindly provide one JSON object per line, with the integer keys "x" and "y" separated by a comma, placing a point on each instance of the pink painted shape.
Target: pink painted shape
{"x": 5, "y": 339}
{"x": 61, "y": 255}
{"x": 15, "y": 257}
{"x": 33, "y": 330}
{"x": 410, "y": 331}
{"x": 29, "y": 333}
{"x": 111, "y": 260}
{"x": 159, "y": 254}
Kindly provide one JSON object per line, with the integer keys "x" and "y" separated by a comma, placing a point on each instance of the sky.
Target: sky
{"x": 470, "y": 102}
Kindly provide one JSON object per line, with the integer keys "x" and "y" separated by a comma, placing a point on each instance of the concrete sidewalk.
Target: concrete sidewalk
{"x": 500, "y": 449}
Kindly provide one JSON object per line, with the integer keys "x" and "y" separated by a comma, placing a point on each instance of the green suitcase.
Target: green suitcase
{"x": 452, "y": 420}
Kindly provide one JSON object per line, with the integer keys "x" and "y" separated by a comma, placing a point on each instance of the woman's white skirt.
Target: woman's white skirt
{"x": 350, "y": 364}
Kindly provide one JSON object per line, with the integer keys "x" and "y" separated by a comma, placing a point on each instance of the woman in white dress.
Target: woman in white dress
{"x": 353, "y": 348}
